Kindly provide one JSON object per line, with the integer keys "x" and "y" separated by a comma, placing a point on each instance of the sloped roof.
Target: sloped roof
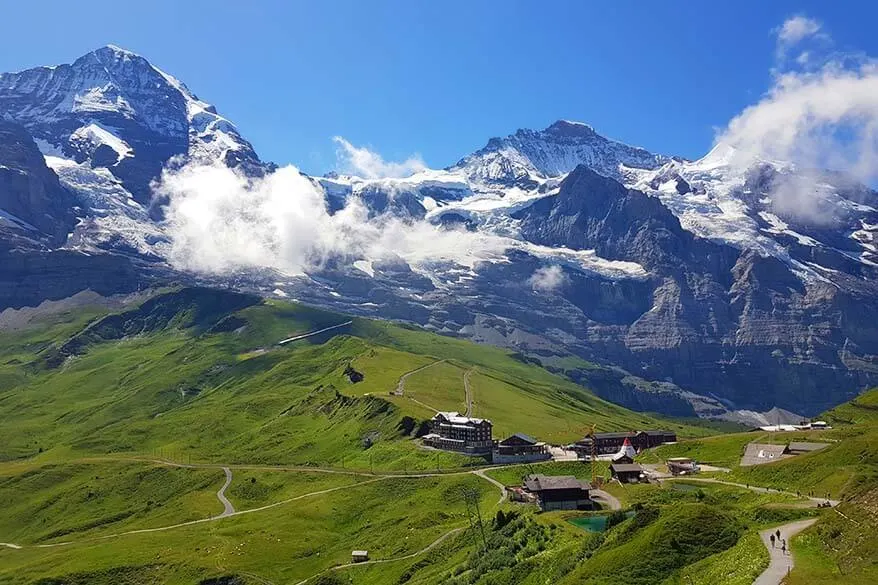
{"x": 541, "y": 483}
{"x": 614, "y": 435}
{"x": 806, "y": 446}
{"x": 523, "y": 437}
{"x": 626, "y": 467}
{"x": 458, "y": 419}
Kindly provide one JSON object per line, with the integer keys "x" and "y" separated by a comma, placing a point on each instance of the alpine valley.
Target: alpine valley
{"x": 664, "y": 284}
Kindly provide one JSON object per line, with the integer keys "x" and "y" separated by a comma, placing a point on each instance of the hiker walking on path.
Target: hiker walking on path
{"x": 780, "y": 553}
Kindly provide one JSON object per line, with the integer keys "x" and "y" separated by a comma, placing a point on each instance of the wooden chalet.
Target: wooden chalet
{"x": 627, "y": 472}
{"x": 559, "y": 492}
{"x": 520, "y": 448}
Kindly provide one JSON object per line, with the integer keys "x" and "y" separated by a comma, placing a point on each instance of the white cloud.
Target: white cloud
{"x": 365, "y": 163}
{"x": 220, "y": 221}
{"x": 821, "y": 112}
{"x": 548, "y": 278}
{"x": 796, "y": 29}
{"x": 827, "y": 118}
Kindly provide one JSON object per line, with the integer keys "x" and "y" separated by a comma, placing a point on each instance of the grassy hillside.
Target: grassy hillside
{"x": 95, "y": 402}
{"x": 843, "y": 545}
{"x": 208, "y": 362}
{"x": 51, "y": 502}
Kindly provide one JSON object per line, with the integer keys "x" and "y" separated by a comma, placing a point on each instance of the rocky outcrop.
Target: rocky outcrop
{"x": 113, "y": 109}
{"x": 734, "y": 323}
{"x": 29, "y": 190}
{"x": 31, "y": 276}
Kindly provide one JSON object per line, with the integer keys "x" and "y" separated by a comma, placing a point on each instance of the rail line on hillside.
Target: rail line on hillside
{"x": 312, "y": 333}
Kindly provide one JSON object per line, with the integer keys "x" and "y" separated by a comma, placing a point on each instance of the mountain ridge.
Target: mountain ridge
{"x": 694, "y": 275}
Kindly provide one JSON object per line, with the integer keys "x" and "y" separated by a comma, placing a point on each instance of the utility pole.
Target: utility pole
{"x": 594, "y": 457}
{"x": 473, "y": 514}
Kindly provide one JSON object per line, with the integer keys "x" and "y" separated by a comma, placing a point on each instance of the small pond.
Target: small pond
{"x": 684, "y": 487}
{"x": 594, "y": 523}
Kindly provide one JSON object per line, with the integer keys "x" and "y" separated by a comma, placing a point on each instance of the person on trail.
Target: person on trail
{"x": 783, "y": 546}
{"x": 772, "y": 540}
{"x": 777, "y": 533}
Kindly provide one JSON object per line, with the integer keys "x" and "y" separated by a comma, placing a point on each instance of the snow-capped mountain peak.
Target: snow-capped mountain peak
{"x": 527, "y": 156}
{"x": 112, "y": 108}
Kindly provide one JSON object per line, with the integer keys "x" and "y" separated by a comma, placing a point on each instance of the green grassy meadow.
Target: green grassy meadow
{"x": 116, "y": 424}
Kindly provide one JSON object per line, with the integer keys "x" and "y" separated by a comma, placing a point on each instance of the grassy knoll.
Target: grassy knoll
{"x": 739, "y": 565}
{"x": 294, "y": 541}
{"x": 252, "y": 488}
{"x": 439, "y": 386}
{"x": 69, "y": 501}
{"x": 654, "y": 544}
{"x": 205, "y": 361}
{"x": 722, "y": 450}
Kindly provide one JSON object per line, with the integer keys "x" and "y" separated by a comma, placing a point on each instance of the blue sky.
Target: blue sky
{"x": 438, "y": 79}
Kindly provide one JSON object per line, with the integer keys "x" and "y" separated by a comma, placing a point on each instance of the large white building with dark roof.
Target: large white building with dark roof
{"x": 453, "y": 432}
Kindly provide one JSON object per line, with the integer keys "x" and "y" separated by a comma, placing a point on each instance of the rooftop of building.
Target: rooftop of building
{"x": 541, "y": 483}
{"x": 526, "y": 438}
{"x": 456, "y": 418}
{"x": 626, "y": 467}
{"x": 806, "y": 446}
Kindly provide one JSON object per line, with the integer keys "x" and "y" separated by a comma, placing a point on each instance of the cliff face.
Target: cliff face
{"x": 29, "y": 191}
{"x": 113, "y": 109}
{"x": 677, "y": 276}
{"x": 741, "y": 325}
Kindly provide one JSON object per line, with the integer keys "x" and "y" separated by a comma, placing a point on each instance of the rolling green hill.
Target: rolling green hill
{"x": 843, "y": 546}
{"x": 209, "y": 362}
{"x": 121, "y": 426}
{"x": 116, "y": 423}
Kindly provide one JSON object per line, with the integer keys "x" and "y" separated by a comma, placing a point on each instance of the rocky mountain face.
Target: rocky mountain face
{"x": 31, "y": 197}
{"x": 527, "y": 156}
{"x": 721, "y": 317}
{"x": 699, "y": 287}
{"x": 113, "y": 109}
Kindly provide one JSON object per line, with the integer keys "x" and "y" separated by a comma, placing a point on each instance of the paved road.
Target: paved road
{"x": 606, "y": 498}
{"x": 781, "y": 563}
{"x": 754, "y": 488}
{"x": 228, "y": 508}
{"x": 9, "y": 545}
{"x": 500, "y": 486}
{"x": 310, "y": 333}
{"x": 400, "y": 386}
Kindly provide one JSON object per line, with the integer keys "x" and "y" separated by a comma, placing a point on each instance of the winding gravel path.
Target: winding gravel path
{"x": 500, "y": 486}
{"x": 753, "y": 488}
{"x": 781, "y": 562}
{"x": 229, "y": 509}
{"x": 400, "y": 386}
{"x": 611, "y": 501}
